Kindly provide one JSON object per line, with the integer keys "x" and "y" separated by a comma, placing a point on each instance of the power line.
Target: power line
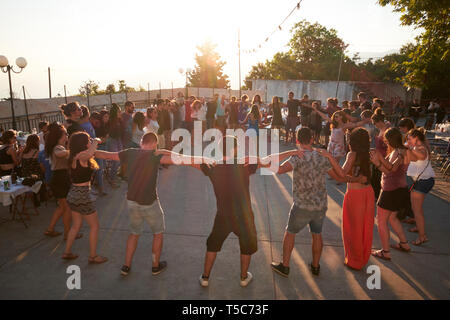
{"x": 297, "y": 7}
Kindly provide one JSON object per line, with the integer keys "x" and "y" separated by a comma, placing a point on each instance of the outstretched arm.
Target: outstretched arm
{"x": 89, "y": 153}
{"x": 322, "y": 115}
{"x": 107, "y": 155}
{"x": 170, "y": 157}
{"x": 279, "y": 157}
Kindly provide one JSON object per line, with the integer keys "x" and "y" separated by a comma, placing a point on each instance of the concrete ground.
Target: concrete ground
{"x": 31, "y": 266}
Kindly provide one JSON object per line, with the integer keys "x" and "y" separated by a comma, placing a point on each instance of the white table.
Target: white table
{"x": 12, "y": 196}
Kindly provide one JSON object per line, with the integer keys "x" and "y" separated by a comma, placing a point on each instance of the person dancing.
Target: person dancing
{"x": 82, "y": 166}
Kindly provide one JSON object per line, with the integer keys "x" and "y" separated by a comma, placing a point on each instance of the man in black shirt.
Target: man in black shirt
{"x": 305, "y": 111}
{"x": 234, "y": 210}
{"x": 143, "y": 203}
{"x": 211, "y": 111}
{"x": 292, "y": 118}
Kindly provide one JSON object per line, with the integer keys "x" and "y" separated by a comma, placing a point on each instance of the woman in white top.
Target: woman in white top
{"x": 137, "y": 129}
{"x": 152, "y": 116}
{"x": 420, "y": 176}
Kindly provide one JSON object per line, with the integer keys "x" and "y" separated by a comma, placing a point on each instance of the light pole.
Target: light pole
{"x": 6, "y": 68}
{"x": 181, "y": 71}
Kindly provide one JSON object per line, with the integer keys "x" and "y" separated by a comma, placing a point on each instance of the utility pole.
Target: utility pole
{"x": 49, "y": 84}
{"x": 339, "y": 74}
{"x": 239, "y": 49}
{"x": 160, "y": 95}
{"x": 148, "y": 93}
{"x": 26, "y": 109}
{"x": 65, "y": 94}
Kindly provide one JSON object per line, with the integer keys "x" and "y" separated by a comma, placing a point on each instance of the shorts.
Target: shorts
{"x": 291, "y": 123}
{"x": 299, "y": 218}
{"x": 394, "y": 200}
{"x": 246, "y": 232}
{"x": 337, "y": 150}
{"x": 60, "y": 183}
{"x": 152, "y": 213}
{"x": 422, "y": 185}
{"x": 80, "y": 200}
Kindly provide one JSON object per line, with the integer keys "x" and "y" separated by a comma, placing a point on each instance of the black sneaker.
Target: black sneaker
{"x": 125, "y": 270}
{"x": 160, "y": 268}
{"x": 315, "y": 270}
{"x": 280, "y": 269}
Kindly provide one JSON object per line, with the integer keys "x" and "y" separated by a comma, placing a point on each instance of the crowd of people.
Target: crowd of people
{"x": 385, "y": 165}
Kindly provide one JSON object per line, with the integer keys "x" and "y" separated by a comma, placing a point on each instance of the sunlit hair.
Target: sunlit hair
{"x": 367, "y": 114}
{"x": 407, "y": 123}
{"x": 345, "y": 104}
{"x": 394, "y": 139}
{"x": 255, "y": 111}
{"x": 85, "y": 112}
{"x": 360, "y": 144}
{"x": 54, "y": 133}
{"x": 32, "y": 143}
{"x": 244, "y": 97}
{"x": 275, "y": 100}
{"x": 139, "y": 120}
{"x": 196, "y": 104}
{"x": 378, "y": 115}
{"x": 340, "y": 113}
{"x": 379, "y": 101}
{"x": 7, "y": 136}
{"x": 78, "y": 142}
{"x": 256, "y": 98}
{"x": 419, "y": 133}
{"x": 362, "y": 95}
{"x": 42, "y": 124}
{"x": 68, "y": 109}
{"x": 149, "y": 138}
{"x": 332, "y": 102}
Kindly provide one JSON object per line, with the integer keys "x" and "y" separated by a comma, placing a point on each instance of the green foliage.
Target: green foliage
{"x": 208, "y": 72}
{"x": 428, "y": 63}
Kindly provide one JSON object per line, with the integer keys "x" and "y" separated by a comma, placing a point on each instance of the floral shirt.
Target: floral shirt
{"x": 308, "y": 184}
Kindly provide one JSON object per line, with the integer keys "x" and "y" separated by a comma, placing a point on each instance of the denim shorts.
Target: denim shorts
{"x": 422, "y": 186}
{"x": 153, "y": 214}
{"x": 299, "y": 218}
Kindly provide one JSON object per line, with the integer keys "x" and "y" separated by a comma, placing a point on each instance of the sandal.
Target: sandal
{"x": 52, "y": 233}
{"x": 97, "y": 259}
{"x": 380, "y": 254}
{"x": 400, "y": 247}
{"x": 69, "y": 256}
{"x": 413, "y": 229}
{"x": 79, "y": 235}
{"x": 419, "y": 241}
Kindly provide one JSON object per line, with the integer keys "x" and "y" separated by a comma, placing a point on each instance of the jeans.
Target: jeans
{"x": 101, "y": 164}
{"x": 114, "y": 145}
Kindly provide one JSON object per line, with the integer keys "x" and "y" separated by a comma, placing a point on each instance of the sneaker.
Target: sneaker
{"x": 157, "y": 270}
{"x": 125, "y": 270}
{"x": 280, "y": 269}
{"x": 246, "y": 281}
{"x": 315, "y": 270}
{"x": 204, "y": 281}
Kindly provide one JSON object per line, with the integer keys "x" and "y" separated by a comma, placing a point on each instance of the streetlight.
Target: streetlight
{"x": 181, "y": 71}
{"x": 6, "y": 68}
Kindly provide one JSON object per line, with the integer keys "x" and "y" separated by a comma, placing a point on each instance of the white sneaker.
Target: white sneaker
{"x": 204, "y": 282}
{"x": 247, "y": 280}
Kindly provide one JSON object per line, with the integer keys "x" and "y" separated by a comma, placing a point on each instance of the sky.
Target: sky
{"x": 146, "y": 42}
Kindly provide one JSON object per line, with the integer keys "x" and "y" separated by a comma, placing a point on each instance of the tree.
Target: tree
{"x": 89, "y": 87}
{"x": 314, "y": 53}
{"x": 110, "y": 88}
{"x": 122, "y": 86}
{"x": 428, "y": 63}
{"x": 208, "y": 72}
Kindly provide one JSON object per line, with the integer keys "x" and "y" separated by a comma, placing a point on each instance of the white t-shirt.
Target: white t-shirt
{"x": 152, "y": 126}
{"x": 201, "y": 114}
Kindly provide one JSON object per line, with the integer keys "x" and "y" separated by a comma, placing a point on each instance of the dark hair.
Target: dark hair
{"x": 394, "y": 138}
{"x": 304, "y": 135}
{"x": 379, "y": 101}
{"x": 68, "y": 109}
{"x": 32, "y": 143}
{"x": 78, "y": 143}
{"x": 366, "y": 114}
{"x": 291, "y": 92}
{"x": 407, "y": 123}
{"x": 332, "y": 101}
{"x": 114, "y": 114}
{"x": 354, "y": 103}
{"x": 254, "y": 98}
{"x": 419, "y": 133}
{"x": 103, "y": 113}
{"x": 224, "y": 143}
{"x": 139, "y": 120}
{"x": 42, "y": 124}
{"x": 149, "y": 137}
{"x": 7, "y": 136}
{"x": 150, "y": 110}
{"x": 55, "y": 132}
{"x": 360, "y": 144}
{"x": 345, "y": 103}
{"x": 85, "y": 111}
{"x": 362, "y": 94}
{"x": 129, "y": 104}
{"x": 378, "y": 115}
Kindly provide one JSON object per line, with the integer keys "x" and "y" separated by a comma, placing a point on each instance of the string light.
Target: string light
{"x": 297, "y": 7}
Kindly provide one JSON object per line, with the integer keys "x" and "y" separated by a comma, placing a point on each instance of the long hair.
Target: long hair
{"x": 32, "y": 143}
{"x": 378, "y": 115}
{"x": 55, "y": 132}
{"x": 275, "y": 101}
{"x": 139, "y": 120}
{"x": 68, "y": 109}
{"x": 394, "y": 139}
{"x": 256, "y": 100}
{"x": 114, "y": 115}
{"x": 360, "y": 144}
{"x": 419, "y": 133}
{"x": 7, "y": 136}
{"x": 255, "y": 111}
{"x": 334, "y": 122}
{"x": 77, "y": 143}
